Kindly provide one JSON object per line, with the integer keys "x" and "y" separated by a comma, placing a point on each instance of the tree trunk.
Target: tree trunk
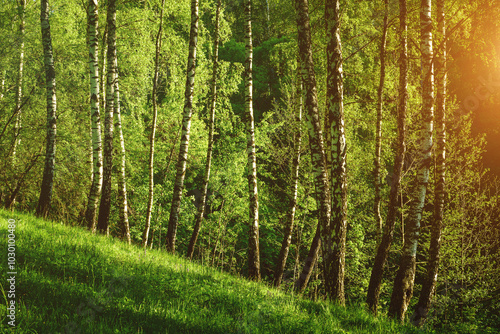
{"x": 122, "y": 178}
{"x": 403, "y": 283}
{"x": 385, "y": 244}
{"x": 378, "y": 134}
{"x": 287, "y": 237}
{"x": 149, "y": 209}
{"x": 213, "y": 100}
{"x": 312, "y": 257}
{"x": 186, "y": 128}
{"x": 105, "y": 205}
{"x": 334, "y": 235}
{"x": 45, "y": 198}
{"x": 2, "y": 84}
{"x": 253, "y": 241}
{"x": 95, "y": 189}
{"x": 424, "y": 302}
{"x": 318, "y": 159}
{"x": 19, "y": 83}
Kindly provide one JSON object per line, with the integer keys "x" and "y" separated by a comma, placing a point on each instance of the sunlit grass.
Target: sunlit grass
{"x": 69, "y": 281}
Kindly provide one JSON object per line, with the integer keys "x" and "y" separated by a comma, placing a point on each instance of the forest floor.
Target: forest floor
{"x": 69, "y": 281}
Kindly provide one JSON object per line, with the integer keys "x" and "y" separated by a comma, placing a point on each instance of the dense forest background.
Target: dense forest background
{"x": 467, "y": 292}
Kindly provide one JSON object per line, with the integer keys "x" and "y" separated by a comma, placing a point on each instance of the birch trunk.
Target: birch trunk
{"x": 253, "y": 241}
{"x": 404, "y": 281}
{"x": 105, "y": 204}
{"x": 287, "y": 237}
{"x": 19, "y": 83}
{"x": 96, "y": 187}
{"x": 429, "y": 284}
{"x": 213, "y": 101}
{"x": 378, "y": 134}
{"x": 186, "y": 128}
{"x": 145, "y": 234}
{"x": 45, "y": 198}
{"x": 122, "y": 178}
{"x": 318, "y": 159}
{"x": 385, "y": 244}
{"x": 334, "y": 235}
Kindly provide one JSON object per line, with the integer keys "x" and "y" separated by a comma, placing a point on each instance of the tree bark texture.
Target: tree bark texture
{"x": 405, "y": 277}
{"x": 318, "y": 158}
{"x": 45, "y": 198}
{"x": 208, "y": 163}
{"x": 186, "y": 128}
{"x": 105, "y": 204}
{"x": 429, "y": 284}
{"x": 19, "y": 82}
{"x": 96, "y": 187}
{"x": 149, "y": 209}
{"x": 385, "y": 244}
{"x": 287, "y": 237}
{"x": 334, "y": 236}
{"x": 253, "y": 240}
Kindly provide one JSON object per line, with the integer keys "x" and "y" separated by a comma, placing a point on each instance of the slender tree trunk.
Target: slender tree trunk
{"x": 149, "y": 209}
{"x": 253, "y": 241}
{"x": 95, "y": 189}
{"x": 403, "y": 283}
{"x": 385, "y": 244}
{"x": 45, "y": 198}
{"x": 380, "y": 105}
{"x": 186, "y": 128}
{"x": 287, "y": 237}
{"x": 318, "y": 159}
{"x": 105, "y": 204}
{"x": 424, "y": 302}
{"x": 213, "y": 101}
{"x": 334, "y": 236}
{"x": 2, "y": 84}
{"x": 312, "y": 257}
{"x": 122, "y": 178}
{"x": 19, "y": 83}
{"x": 102, "y": 81}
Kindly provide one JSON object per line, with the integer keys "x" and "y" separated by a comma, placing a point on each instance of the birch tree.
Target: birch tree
{"x": 315, "y": 135}
{"x": 122, "y": 179}
{"x": 385, "y": 244}
{"x": 105, "y": 204}
{"x": 287, "y": 237}
{"x": 213, "y": 102}
{"x": 334, "y": 235}
{"x": 429, "y": 284}
{"x": 45, "y": 197}
{"x": 96, "y": 187}
{"x": 19, "y": 82}
{"x": 253, "y": 240}
{"x": 186, "y": 128}
{"x": 145, "y": 233}
{"x": 378, "y": 132}
{"x": 405, "y": 277}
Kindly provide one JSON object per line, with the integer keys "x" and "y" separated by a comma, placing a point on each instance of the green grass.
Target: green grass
{"x": 69, "y": 281}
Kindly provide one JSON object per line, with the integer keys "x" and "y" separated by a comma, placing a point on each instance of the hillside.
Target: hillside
{"x": 69, "y": 281}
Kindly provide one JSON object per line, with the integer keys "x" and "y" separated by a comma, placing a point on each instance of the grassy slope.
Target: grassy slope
{"x": 68, "y": 280}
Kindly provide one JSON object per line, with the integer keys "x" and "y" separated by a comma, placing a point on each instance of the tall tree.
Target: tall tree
{"x": 122, "y": 179}
{"x": 334, "y": 235}
{"x": 45, "y": 198}
{"x": 385, "y": 244}
{"x": 378, "y": 133}
{"x": 213, "y": 101}
{"x": 287, "y": 237}
{"x": 105, "y": 204}
{"x": 145, "y": 233}
{"x": 318, "y": 158}
{"x": 253, "y": 240}
{"x": 405, "y": 277}
{"x": 19, "y": 83}
{"x": 429, "y": 284}
{"x": 186, "y": 129}
{"x": 96, "y": 187}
